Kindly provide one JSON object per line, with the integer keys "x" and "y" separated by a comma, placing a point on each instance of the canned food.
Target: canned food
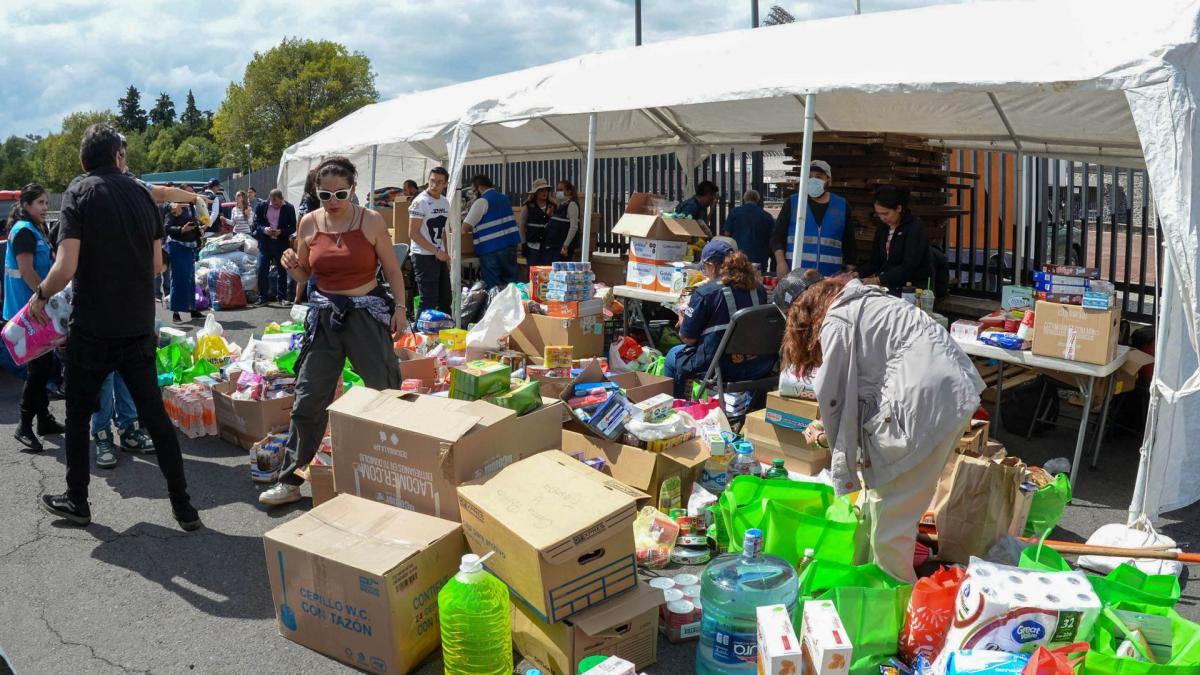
{"x": 690, "y": 556}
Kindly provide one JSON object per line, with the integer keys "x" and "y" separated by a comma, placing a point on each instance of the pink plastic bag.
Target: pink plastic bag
{"x": 26, "y": 339}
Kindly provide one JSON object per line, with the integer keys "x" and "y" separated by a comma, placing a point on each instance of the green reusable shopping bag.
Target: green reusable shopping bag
{"x": 788, "y": 532}
{"x": 287, "y": 361}
{"x": 743, "y": 504}
{"x": 1044, "y": 559}
{"x": 870, "y": 603}
{"x": 349, "y": 377}
{"x": 198, "y": 369}
{"x": 1048, "y": 505}
{"x": 1127, "y": 583}
{"x": 657, "y": 368}
{"x": 1110, "y": 632}
{"x": 174, "y": 358}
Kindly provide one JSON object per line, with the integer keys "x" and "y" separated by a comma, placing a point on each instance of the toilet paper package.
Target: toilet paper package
{"x": 1008, "y": 609}
{"x": 26, "y": 339}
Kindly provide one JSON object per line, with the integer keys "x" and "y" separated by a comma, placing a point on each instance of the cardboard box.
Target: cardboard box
{"x": 626, "y": 626}
{"x": 412, "y": 451}
{"x": 644, "y": 275}
{"x": 1076, "y": 333}
{"x": 974, "y": 441}
{"x": 791, "y": 413}
{"x": 562, "y": 532}
{"x": 826, "y": 643}
{"x": 361, "y": 581}
{"x": 586, "y": 335}
{"x": 414, "y": 366}
{"x": 641, "y": 386}
{"x": 1122, "y": 381}
{"x": 640, "y": 469}
{"x": 396, "y": 218}
{"x": 320, "y": 481}
{"x": 771, "y": 441}
{"x": 243, "y": 423}
{"x": 779, "y": 650}
{"x": 643, "y": 219}
{"x": 657, "y": 251}
{"x": 574, "y": 309}
{"x": 479, "y": 379}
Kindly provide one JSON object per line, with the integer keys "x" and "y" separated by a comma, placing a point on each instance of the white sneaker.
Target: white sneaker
{"x": 280, "y": 493}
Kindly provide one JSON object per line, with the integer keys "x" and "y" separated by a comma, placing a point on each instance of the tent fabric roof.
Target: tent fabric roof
{"x": 1017, "y": 75}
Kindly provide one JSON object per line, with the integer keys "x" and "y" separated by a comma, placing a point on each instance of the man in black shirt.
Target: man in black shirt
{"x": 111, "y": 247}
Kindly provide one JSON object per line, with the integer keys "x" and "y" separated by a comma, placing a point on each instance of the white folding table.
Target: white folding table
{"x": 1085, "y": 375}
{"x": 633, "y": 307}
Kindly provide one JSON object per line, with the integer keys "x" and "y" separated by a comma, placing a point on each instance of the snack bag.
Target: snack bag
{"x": 929, "y": 613}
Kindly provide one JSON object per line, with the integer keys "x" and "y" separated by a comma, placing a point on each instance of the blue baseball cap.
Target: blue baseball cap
{"x": 716, "y": 250}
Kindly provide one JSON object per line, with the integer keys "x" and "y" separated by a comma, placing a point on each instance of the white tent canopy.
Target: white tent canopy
{"x": 1104, "y": 81}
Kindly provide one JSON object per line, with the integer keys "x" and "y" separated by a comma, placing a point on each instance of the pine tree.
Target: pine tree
{"x": 778, "y": 15}
{"x": 191, "y": 119}
{"x": 163, "y": 113}
{"x": 131, "y": 117}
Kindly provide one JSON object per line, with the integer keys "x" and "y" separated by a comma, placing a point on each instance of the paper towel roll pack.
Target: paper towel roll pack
{"x": 1008, "y": 609}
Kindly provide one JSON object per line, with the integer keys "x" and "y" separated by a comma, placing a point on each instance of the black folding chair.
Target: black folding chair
{"x": 753, "y": 331}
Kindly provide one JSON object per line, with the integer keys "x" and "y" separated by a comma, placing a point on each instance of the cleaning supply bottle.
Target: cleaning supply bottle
{"x": 474, "y": 616}
{"x": 732, "y": 587}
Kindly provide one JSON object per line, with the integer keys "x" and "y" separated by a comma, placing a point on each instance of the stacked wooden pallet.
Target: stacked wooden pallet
{"x": 863, "y": 161}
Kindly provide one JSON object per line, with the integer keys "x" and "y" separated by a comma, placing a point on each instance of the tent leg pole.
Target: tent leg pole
{"x": 588, "y": 185}
{"x": 1019, "y": 238}
{"x": 1137, "y": 506}
{"x": 810, "y": 113}
{"x": 374, "y": 163}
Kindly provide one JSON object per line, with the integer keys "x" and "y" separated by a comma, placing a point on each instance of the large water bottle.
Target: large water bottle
{"x": 732, "y": 587}
{"x": 476, "y": 626}
{"x": 742, "y": 462}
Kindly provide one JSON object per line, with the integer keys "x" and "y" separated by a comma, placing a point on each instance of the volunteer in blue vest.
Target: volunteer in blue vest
{"x": 696, "y": 207}
{"x": 751, "y": 226}
{"x": 496, "y": 235}
{"x": 828, "y": 239}
{"x": 732, "y": 284}
{"x": 561, "y": 243}
{"x": 26, "y": 263}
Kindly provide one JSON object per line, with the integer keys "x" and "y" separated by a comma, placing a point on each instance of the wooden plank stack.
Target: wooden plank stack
{"x": 863, "y": 161}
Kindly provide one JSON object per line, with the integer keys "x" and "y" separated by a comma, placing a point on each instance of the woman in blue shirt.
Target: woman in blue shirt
{"x": 733, "y": 284}
{"x": 26, "y": 262}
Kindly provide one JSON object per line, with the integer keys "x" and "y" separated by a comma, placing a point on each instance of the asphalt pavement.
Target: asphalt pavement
{"x": 132, "y": 593}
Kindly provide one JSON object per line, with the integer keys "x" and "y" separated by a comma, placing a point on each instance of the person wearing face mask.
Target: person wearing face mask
{"x": 564, "y": 224}
{"x": 533, "y": 219}
{"x": 900, "y": 252}
{"x": 828, "y": 238}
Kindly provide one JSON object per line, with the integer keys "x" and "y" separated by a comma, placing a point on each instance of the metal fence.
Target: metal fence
{"x": 1077, "y": 213}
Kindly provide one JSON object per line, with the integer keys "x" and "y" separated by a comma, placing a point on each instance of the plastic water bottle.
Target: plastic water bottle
{"x": 777, "y": 470}
{"x": 742, "y": 462}
{"x": 476, "y": 626}
{"x": 732, "y": 587}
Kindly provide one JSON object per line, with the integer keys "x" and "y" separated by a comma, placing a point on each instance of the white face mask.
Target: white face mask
{"x": 560, "y": 196}
{"x": 815, "y": 187}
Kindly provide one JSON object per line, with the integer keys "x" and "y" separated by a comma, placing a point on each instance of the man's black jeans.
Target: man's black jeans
{"x": 89, "y": 360}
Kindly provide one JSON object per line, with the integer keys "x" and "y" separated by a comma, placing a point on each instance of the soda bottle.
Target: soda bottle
{"x": 777, "y": 470}
{"x": 476, "y": 626}
{"x": 732, "y": 587}
{"x": 742, "y": 462}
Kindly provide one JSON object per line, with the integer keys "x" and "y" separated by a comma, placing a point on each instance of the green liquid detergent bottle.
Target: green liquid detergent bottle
{"x": 476, "y": 625}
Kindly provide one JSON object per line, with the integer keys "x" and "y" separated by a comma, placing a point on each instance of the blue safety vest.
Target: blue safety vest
{"x": 16, "y": 291}
{"x": 822, "y": 246}
{"x": 498, "y": 230}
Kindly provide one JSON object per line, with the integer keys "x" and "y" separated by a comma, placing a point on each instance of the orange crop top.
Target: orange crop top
{"x": 342, "y": 260}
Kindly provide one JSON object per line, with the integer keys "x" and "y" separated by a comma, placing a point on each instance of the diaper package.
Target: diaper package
{"x": 1007, "y": 609}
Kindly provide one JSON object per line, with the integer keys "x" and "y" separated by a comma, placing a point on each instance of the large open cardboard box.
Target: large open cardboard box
{"x": 626, "y": 626}
{"x": 642, "y": 218}
{"x": 244, "y": 423}
{"x": 641, "y": 469}
{"x": 586, "y": 335}
{"x": 1076, "y": 333}
{"x": 361, "y": 581}
{"x": 412, "y": 451}
{"x": 771, "y": 441}
{"x": 562, "y": 532}
{"x": 641, "y": 386}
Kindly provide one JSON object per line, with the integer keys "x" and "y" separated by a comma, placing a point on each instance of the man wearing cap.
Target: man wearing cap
{"x": 215, "y": 193}
{"x": 534, "y": 220}
{"x": 828, "y": 238}
{"x": 732, "y": 284}
{"x": 751, "y": 226}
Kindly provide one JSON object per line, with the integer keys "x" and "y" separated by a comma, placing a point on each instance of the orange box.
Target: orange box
{"x": 539, "y": 278}
{"x": 574, "y": 309}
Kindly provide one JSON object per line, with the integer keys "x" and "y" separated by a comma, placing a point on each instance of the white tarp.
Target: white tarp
{"x": 1101, "y": 80}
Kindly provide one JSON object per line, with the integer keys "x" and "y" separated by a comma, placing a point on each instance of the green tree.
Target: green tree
{"x": 17, "y": 165}
{"x": 160, "y": 154}
{"x": 130, "y": 116}
{"x": 192, "y": 119}
{"x": 59, "y": 153}
{"x": 196, "y": 152}
{"x": 137, "y": 154}
{"x": 777, "y": 16}
{"x": 163, "y": 112}
{"x": 288, "y": 93}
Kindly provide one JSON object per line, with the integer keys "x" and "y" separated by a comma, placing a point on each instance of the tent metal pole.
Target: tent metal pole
{"x": 588, "y": 184}
{"x": 810, "y": 111}
{"x": 1019, "y": 245}
{"x": 374, "y": 163}
{"x": 1137, "y": 506}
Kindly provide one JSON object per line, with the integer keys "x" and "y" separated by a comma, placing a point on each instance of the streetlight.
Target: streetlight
{"x": 249, "y": 165}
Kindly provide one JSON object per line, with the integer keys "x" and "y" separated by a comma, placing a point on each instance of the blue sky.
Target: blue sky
{"x": 62, "y": 56}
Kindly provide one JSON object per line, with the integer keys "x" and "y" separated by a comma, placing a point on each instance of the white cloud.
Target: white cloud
{"x": 62, "y": 56}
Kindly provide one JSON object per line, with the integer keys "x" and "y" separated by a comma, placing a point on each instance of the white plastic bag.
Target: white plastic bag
{"x": 672, "y": 426}
{"x": 794, "y": 385}
{"x": 502, "y": 317}
{"x": 1139, "y": 535}
{"x": 210, "y": 327}
{"x": 616, "y": 364}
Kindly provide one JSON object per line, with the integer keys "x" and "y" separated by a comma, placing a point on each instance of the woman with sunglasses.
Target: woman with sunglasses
{"x": 350, "y": 315}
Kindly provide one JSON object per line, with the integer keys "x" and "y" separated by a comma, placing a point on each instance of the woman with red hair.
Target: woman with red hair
{"x": 895, "y": 393}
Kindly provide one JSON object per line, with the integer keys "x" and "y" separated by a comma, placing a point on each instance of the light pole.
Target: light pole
{"x": 637, "y": 22}
{"x": 249, "y": 165}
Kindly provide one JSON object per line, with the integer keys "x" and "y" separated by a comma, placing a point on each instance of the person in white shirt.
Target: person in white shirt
{"x": 427, "y": 216}
{"x": 241, "y": 215}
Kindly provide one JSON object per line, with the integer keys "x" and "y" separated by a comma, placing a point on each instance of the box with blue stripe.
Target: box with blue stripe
{"x": 562, "y": 532}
